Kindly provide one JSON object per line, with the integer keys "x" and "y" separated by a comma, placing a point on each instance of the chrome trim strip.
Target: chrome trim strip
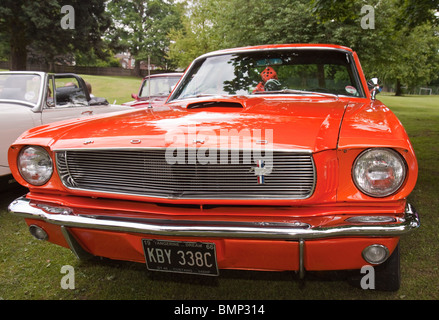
{"x": 280, "y": 231}
{"x": 257, "y": 148}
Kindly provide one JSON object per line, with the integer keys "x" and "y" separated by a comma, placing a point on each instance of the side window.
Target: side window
{"x": 68, "y": 92}
{"x": 338, "y": 80}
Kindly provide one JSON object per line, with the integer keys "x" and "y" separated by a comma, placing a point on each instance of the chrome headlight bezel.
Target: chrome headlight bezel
{"x": 35, "y": 165}
{"x": 380, "y": 158}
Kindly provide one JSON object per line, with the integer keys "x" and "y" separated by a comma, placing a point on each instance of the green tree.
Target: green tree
{"x": 196, "y": 35}
{"x": 398, "y": 53}
{"x": 4, "y": 51}
{"x": 248, "y": 22}
{"x": 93, "y": 58}
{"x": 413, "y": 13}
{"x": 35, "y": 26}
{"x": 141, "y": 27}
{"x": 216, "y": 24}
{"x": 413, "y": 59}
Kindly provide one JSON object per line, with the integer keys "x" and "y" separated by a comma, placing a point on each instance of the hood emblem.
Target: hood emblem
{"x": 261, "y": 171}
{"x": 88, "y": 142}
{"x": 136, "y": 141}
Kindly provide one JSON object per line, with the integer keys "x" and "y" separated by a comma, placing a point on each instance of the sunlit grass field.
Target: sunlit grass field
{"x": 116, "y": 90}
{"x": 31, "y": 269}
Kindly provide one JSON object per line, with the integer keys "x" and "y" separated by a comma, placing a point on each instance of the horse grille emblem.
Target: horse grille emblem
{"x": 261, "y": 170}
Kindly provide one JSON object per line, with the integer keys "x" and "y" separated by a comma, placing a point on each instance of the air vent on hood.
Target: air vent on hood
{"x": 214, "y": 104}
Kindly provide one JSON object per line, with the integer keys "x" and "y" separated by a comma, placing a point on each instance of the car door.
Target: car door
{"x": 67, "y": 98}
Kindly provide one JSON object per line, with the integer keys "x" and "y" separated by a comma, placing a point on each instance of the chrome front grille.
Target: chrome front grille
{"x": 147, "y": 172}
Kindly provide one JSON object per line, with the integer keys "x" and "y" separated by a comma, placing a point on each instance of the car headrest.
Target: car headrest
{"x": 69, "y": 94}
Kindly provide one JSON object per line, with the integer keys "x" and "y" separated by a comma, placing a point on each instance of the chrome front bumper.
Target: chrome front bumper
{"x": 23, "y": 207}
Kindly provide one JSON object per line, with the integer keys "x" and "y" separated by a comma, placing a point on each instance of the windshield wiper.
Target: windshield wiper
{"x": 201, "y": 95}
{"x": 294, "y": 91}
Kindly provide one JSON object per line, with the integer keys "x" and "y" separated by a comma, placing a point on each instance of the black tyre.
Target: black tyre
{"x": 388, "y": 274}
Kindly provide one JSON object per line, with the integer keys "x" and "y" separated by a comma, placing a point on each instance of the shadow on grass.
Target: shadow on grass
{"x": 9, "y": 195}
{"x": 115, "y": 266}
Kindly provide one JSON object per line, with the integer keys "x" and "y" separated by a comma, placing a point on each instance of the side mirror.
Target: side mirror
{"x": 374, "y": 87}
{"x": 50, "y": 103}
{"x": 134, "y": 96}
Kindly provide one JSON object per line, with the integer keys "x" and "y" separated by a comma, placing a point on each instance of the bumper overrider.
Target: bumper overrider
{"x": 239, "y": 233}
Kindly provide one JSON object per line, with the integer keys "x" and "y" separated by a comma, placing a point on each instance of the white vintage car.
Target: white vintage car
{"x": 27, "y": 100}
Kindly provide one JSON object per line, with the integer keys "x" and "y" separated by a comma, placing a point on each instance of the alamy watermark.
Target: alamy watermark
{"x": 368, "y": 17}
{"x": 194, "y": 145}
{"x": 368, "y": 280}
{"x": 68, "y": 281}
{"x": 68, "y": 21}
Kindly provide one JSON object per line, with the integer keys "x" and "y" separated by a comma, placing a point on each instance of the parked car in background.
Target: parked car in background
{"x": 275, "y": 157}
{"x": 154, "y": 90}
{"x": 30, "y": 99}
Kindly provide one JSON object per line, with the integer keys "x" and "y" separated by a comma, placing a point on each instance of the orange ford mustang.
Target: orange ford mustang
{"x": 276, "y": 157}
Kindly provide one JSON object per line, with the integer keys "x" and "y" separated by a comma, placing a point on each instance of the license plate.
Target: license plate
{"x": 179, "y": 256}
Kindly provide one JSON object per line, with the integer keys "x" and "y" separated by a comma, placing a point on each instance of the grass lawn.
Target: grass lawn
{"x": 31, "y": 269}
{"x": 116, "y": 90}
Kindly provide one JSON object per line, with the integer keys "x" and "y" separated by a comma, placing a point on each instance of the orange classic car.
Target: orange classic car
{"x": 275, "y": 157}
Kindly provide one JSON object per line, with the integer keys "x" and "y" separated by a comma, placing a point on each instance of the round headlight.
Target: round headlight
{"x": 379, "y": 172}
{"x": 35, "y": 165}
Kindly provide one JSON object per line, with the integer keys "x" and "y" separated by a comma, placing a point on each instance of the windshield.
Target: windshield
{"x": 158, "y": 86}
{"x": 22, "y": 87}
{"x": 272, "y": 72}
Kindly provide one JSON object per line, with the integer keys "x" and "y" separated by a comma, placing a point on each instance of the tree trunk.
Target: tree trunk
{"x": 51, "y": 65}
{"x": 398, "y": 90}
{"x": 18, "y": 55}
{"x": 137, "y": 68}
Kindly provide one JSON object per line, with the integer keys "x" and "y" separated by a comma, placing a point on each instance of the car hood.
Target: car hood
{"x": 145, "y": 103}
{"x": 281, "y": 123}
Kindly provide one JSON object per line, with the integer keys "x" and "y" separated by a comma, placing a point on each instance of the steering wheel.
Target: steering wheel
{"x": 272, "y": 85}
